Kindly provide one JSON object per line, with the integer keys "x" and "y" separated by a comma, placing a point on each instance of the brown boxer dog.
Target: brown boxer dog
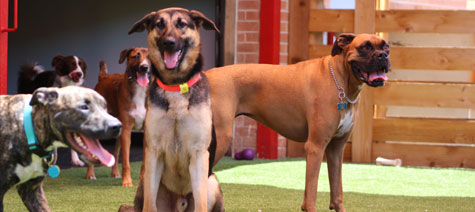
{"x": 311, "y": 101}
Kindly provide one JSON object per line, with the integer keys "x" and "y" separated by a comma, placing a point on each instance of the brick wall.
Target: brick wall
{"x": 247, "y": 51}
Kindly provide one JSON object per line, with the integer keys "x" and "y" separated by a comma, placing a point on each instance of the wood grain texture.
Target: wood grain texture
{"x": 459, "y": 131}
{"x": 298, "y": 30}
{"x": 424, "y": 155}
{"x": 419, "y": 58}
{"x": 426, "y": 94}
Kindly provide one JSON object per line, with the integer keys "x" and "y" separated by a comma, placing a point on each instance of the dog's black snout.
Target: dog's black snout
{"x": 115, "y": 128}
{"x": 143, "y": 68}
{"x": 169, "y": 44}
{"x": 383, "y": 55}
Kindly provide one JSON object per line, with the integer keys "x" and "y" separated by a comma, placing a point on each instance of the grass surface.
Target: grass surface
{"x": 278, "y": 186}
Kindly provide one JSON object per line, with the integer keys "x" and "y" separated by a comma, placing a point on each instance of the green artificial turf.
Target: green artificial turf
{"x": 278, "y": 186}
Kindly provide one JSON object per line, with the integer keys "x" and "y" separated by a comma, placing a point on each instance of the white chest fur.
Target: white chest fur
{"x": 346, "y": 123}
{"x": 178, "y": 133}
{"x": 33, "y": 170}
{"x": 139, "y": 112}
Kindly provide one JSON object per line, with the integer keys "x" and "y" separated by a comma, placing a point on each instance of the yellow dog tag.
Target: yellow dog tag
{"x": 184, "y": 88}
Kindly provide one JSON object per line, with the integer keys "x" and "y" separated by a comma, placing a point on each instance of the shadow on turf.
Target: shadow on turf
{"x": 241, "y": 197}
{"x": 229, "y": 163}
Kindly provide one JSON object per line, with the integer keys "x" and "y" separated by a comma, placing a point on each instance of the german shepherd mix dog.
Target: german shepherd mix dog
{"x": 125, "y": 95}
{"x": 32, "y": 126}
{"x": 178, "y": 123}
{"x": 311, "y": 101}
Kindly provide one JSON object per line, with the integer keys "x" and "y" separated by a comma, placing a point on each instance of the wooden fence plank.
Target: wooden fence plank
{"x": 426, "y": 94}
{"x": 426, "y": 21}
{"x": 422, "y": 155}
{"x": 460, "y": 131}
{"x": 432, "y": 58}
{"x": 298, "y": 30}
{"x": 419, "y": 58}
{"x": 415, "y": 21}
{"x": 324, "y": 20}
{"x": 363, "y": 130}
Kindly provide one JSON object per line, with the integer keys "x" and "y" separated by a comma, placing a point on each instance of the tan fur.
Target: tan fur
{"x": 177, "y": 129}
{"x": 298, "y": 101}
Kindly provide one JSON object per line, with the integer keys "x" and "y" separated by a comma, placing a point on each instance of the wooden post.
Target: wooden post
{"x": 269, "y": 45}
{"x": 365, "y": 11}
{"x": 229, "y": 32}
{"x": 298, "y": 30}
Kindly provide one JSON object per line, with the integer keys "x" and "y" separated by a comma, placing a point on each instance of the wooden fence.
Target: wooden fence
{"x": 417, "y": 141}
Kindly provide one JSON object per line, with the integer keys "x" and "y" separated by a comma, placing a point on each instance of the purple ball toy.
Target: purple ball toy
{"x": 246, "y": 154}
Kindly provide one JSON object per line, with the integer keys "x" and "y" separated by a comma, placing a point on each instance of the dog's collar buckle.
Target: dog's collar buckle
{"x": 183, "y": 87}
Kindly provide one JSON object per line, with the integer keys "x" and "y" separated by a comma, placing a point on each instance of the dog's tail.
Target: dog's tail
{"x": 27, "y": 75}
{"x": 102, "y": 70}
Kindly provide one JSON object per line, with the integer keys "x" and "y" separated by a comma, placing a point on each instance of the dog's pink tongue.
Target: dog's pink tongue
{"x": 171, "y": 59}
{"x": 75, "y": 76}
{"x": 142, "y": 79}
{"x": 377, "y": 75}
{"x": 95, "y": 148}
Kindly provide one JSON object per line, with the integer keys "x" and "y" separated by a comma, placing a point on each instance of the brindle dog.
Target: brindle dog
{"x": 178, "y": 123}
{"x": 73, "y": 117}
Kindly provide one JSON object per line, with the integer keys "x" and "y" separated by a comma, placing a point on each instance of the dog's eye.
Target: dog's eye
{"x": 180, "y": 24}
{"x": 84, "y": 107}
{"x": 367, "y": 47}
{"x": 160, "y": 25}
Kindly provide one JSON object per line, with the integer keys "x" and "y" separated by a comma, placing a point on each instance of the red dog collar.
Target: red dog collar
{"x": 183, "y": 88}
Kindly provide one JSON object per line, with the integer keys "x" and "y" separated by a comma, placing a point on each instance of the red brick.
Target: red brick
{"x": 284, "y": 37}
{"x": 284, "y": 16}
{"x": 248, "y": 26}
{"x": 247, "y": 47}
{"x": 284, "y": 27}
{"x": 248, "y": 4}
{"x": 252, "y": 15}
{"x": 284, "y": 59}
{"x": 284, "y": 5}
{"x": 252, "y": 37}
{"x": 241, "y": 37}
{"x": 241, "y": 15}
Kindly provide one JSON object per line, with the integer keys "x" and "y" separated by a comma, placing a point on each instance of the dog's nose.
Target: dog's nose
{"x": 383, "y": 55}
{"x": 143, "y": 68}
{"x": 169, "y": 44}
{"x": 114, "y": 129}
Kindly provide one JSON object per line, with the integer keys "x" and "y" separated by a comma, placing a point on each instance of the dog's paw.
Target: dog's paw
{"x": 92, "y": 177}
{"x": 127, "y": 183}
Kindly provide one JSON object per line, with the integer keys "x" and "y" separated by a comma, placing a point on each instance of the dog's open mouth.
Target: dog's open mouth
{"x": 75, "y": 76}
{"x": 142, "y": 79}
{"x": 373, "y": 79}
{"x": 172, "y": 58}
{"x": 90, "y": 149}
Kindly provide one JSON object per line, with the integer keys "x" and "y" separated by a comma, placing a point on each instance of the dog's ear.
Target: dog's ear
{"x": 57, "y": 61}
{"x": 202, "y": 20}
{"x": 341, "y": 41}
{"x": 44, "y": 96}
{"x": 124, "y": 54}
{"x": 143, "y": 23}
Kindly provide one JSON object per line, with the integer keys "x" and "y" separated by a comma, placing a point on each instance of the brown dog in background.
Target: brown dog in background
{"x": 125, "y": 96}
{"x": 300, "y": 102}
{"x": 178, "y": 147}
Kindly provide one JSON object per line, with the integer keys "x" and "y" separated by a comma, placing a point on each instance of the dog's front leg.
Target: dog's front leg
{"x": 314, "y": 149}
{"x": 152, "y": 176}
{"x": 33, "y": 196}
{"x": 199, "y": 179}
{"x": 334, "y": 153}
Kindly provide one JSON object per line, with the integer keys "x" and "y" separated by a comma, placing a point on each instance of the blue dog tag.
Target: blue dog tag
{"x": 342, "y": 106}
{"x": 53, "y": 171}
